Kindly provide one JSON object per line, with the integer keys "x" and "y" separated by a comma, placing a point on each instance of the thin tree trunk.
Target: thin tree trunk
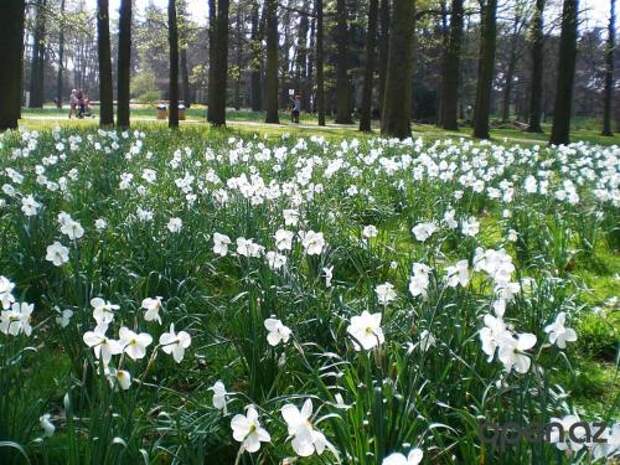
{"x": 173, "y": 42}
{"x": 11, "y": 44}
{"x": 609, "y": 71}
{"x": 212, "y": 60}
{"x": 61, "y": 56}
{"x": 271, "y": 73}
{"x": 369, "y": 70}
{"x": 124, "y": 64}
{"x": 37, "y": 70}
{"x": 396, "y": 116}
{"x": 560, "y": 132}
{"x": 535, "y": 104}
{"x": 238, "y": 57}
{"x": 343, "y": 84}
{"x": 451, "y": 74}
{"x": 486, "y": 69}
{"x": 256, "y": 60}
{"x": 106, "y": 95}
{"x": 512, "y": 64}
{"x": 187, "y": 91}
{"x": 320, "y": 79}
{"x": 384, "y": 46}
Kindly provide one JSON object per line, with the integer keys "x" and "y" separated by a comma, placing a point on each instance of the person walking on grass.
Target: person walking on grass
{"x": 73, "y": 103}
{"x": 296, "y": 109}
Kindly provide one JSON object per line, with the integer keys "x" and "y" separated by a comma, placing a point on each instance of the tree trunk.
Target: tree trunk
{"x": 369, "y": 69}
{"x": 486, "y": 68}
{"x": 560, "y": 132}
{"x": 271, "y": 73}
{"x": 320, "y": 79}
{"x": 11, "y": 45}
{"x": 173, "y": 42}
{"x": 124, "y": 64}
{"x": 219, "y": 76}
{"x": 187, "y": 90}
{"x": 306, "y": 98}
{"x": 61, "y": 56}
{"x": 535, "y": 110}
{"x": 396, "y": 112}
{"x": 609, "y": 71}
{"x": 302, "y": 58}
{"x": 256, "y": 60}
{"x": 238, "y": 56}
{"x": 106, "y": 94}
{"x": 212, "y": 59}
{"x": 37, "y": 70}
{"x": 343, "y": 85}
{"x": 512, "y": 64}
{"x": 451, "y": 74}
{"x": 384, "y": 46}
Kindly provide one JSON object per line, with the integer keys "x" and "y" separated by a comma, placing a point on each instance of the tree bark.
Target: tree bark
{"x": 37, "y": 70}
{"x": 384, "y": 46}
{"x": 124, "y": 64}
{"x": 256, "y": 59}
{"x": 343, "y": 84}
{"x": 219, "y": 75}
{"x": 11, "y": 44}
{"x": 396, "y": 116}
{"x": 451, "y": 74}
{"x": 535, "y": 110}
{"x": 271, "y": 73}
{"x": 106, "y": 93}
{"x": 486, "y": 69}
{"x": 61, "y": 56}
{"x": 512, "y": 64}
{"x": 302, "y": 58}
{"x": 369, "y": 69}
{"x": 173, "y": 43}
{"x": 609, "y": 70}
{"x": 320, "y": 79}
{"x": 560, "y": 132}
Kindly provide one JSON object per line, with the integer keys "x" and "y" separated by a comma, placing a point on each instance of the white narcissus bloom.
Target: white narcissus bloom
{"x": 175, "y": 225}
{"x": 248, "y": 248}
{"x": 329, "y": 275}
{"x": 16, "y": 320}
{"x": 64, "y": 318}
{"x": 470, "y": 227}
{"x": 511, "y": 352}
{"x": 427, "y": 340}
{"x": 219, "y": 396}
{"x": 6, "y": 292}
{"x": 175, "y": 344}
{"x": 284, "y": 239}
{"x": 275, "y": 260}
{"x": 57, "y": 253}
{"x": 48, "y": 427}
{"x": 101, "y": 224}
{"x": 458, "y": 274}
{"x": 419, "y": 281}
{"x": 306, "y": 440}
{"x": 72, "y": 229}
{"x": 103, "y": 310}
{"x": 134, "y": 345}
{"x": 560, "y": 334}
{"x": 120, "y": 377}
{"x": 611, "y": 446}
{"x": 291, "y": 217}
{"x": 370, "y": 231}
{"x": 564, "y": 441}
{"x": 366, "y": 331}
{"x": 385, "y": 293}
{"x": 102, "y": 346}
{"x": 413, "y": 458}
{"x": 30, "y": 206}
{"x": 278, "y": 332}
{"x": 248, "y": 431}
{"x": 220, "y": 244}
{"x": 490, "y": 335}
{"x": 152, "y": 307}
{"x": 422, "y": 231}
{"x": 312, "y": 242}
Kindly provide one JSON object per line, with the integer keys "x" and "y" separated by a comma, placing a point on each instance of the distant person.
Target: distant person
{"x": 296, "y": 109}
{"x": 82, "y": 107}
{"x": 73, "y": 103}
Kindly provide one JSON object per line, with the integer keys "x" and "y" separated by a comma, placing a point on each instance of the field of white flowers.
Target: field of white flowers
{"x": 237, "y": 300}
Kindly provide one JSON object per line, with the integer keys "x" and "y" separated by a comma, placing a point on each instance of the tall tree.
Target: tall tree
{"x": 396, "y": 111}
{"x": 536, "y": 84}
{"x": 61, "y": 55}
{"x": 106, "y": 94}
{"x": 369, "y": 68}
{"x": 384, "y": 46}
{"x": 451, "y": 70}
{"x": 301, "y": 62}
{"x": 11, "y": 44}
{"x": 514, "y": 53}
{"x": 238, "y": 55}
{"x": 256, "y": 59}
{"x": 486, "y": 68}
{"x": 320, "y": 57}
{"x": 343, "y": 83}
{"x": 219, "y": 65}
{"x": 560, "y": 132}
{"x": 173, "y": 43}
{"x": 271, "y": 72}
{"x": 37, "y": 68}
{"x": 609, "y": 70}
{"x": 123, "y": 74}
